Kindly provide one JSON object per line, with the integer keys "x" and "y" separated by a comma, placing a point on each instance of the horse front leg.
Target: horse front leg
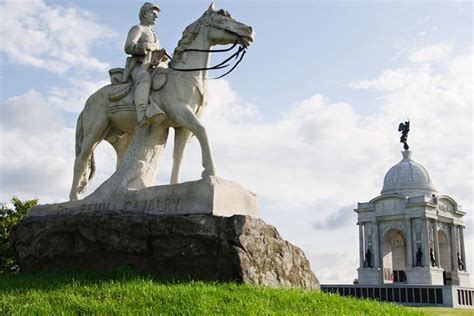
{"x": 207, "y": 160}
{"x": 181, "y": 139}
{"x": 184, "y": 116}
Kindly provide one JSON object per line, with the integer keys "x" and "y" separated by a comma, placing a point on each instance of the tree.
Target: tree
{"x": 8, "y": 219}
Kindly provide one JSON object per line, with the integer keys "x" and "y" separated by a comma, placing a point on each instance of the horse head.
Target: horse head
{"x": 224, "y": 29}
{"x": 214, "y": 27}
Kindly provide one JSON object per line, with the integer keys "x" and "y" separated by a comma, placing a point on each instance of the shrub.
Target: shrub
{"x": 8, "y": 219}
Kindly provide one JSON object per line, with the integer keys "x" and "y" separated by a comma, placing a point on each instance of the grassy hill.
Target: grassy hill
{"x": 125, "y": 292}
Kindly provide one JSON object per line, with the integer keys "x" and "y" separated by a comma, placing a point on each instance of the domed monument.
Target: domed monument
{"x": 411, "y": 233}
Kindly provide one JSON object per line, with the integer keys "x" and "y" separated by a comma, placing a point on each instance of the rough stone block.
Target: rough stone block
{"x": 207, "y": 247}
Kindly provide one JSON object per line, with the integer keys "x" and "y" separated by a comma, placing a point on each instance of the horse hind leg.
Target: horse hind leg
{"x": 84, "y": 161}
{"x": 181, "y": 139}
{"x": 81, "y": 177}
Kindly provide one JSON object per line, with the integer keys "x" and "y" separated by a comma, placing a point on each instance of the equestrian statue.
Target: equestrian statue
{"x": 151, "y": 94}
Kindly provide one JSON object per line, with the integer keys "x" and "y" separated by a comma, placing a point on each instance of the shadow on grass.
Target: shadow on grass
{"x": 51, "y": 280}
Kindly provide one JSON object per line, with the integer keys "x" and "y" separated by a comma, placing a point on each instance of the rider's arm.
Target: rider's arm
{"x": 132, "y": 46}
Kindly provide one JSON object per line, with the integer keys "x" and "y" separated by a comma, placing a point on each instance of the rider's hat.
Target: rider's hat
{"x": 150, "y": 6}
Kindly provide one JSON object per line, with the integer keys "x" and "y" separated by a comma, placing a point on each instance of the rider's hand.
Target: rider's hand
{"x": 163, "y": 54}
{"x": 149, "y": 46}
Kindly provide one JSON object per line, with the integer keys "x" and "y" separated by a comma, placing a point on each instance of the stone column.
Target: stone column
{"x": 436, "y": 241}
{"x": 462, "y": 250}
{"x": 409, "y": 245}
{"x": 376, "y": 246}
{"x": 414, "y": 243}
{"x": 361, "y": 244}
{"x": 454, "y": 257}
{"x": 426, "y": 251}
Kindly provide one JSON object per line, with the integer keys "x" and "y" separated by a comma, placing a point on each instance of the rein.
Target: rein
{"x": 242, "y": 49}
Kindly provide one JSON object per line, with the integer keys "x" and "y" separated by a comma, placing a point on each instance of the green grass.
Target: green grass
{"x": 126, "y": 292}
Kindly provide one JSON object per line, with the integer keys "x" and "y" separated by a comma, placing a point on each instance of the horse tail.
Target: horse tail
{"x": 89, "y": 171}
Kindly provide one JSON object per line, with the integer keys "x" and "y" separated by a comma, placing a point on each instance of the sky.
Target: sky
{"x": 308, "y": 121}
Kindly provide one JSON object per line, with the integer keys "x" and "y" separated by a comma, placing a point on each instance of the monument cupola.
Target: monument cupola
{"x": 408, "y": 178}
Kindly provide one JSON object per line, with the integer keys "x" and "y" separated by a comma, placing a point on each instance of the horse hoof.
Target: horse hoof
{"x": 207, "y": 173}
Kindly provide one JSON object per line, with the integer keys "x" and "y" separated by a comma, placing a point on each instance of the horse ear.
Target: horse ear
{"x": 211, "y": 7}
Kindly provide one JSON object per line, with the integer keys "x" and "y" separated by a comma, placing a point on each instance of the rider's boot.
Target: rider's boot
{"x": 142, "y": 91}
{"x": 153, "y": 109}
{"x": 141, "y": 115}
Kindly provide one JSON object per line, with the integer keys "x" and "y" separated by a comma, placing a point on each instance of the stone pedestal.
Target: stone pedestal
{"x": 211, "y": 195}
{"x": 206, "y": 247}
{"x": 425, "y": 275}
{"x": 370, "y": 276}
{"x": 461, "y": 278}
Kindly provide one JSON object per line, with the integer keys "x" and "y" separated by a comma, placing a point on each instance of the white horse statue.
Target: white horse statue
{"x": 181, "y": 98}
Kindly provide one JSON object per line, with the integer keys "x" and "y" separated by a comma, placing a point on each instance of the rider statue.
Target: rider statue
{"x": 144, "y": 47}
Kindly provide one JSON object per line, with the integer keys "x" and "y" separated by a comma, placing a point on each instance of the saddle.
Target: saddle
{"x": 121, "y": 94}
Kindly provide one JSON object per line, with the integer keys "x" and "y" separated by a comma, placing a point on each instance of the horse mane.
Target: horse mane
{"x": 189, "y": 35}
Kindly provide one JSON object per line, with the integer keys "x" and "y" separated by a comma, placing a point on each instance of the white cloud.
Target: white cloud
{"x": 50, "y": 37}
{"x": 225, "y": 104}
{"x": 341, "y": 218}
{"x": 34, "y": 144}
{"x": 37, "y": 150}
{"x": 398, "y": 79}
{"x": 432, "y": 53}
{"x": 31, "y": 113}
{"x": 423, "y": 20}
{"x": 73, "y": 98}
{"x": 334, "y": 267}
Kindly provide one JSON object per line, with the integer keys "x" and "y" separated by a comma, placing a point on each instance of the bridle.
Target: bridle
{"x": 242, "y": 49}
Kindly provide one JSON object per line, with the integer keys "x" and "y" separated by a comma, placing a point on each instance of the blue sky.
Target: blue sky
{"x": 318, "y": 44}
{"x": 307, "y": 121}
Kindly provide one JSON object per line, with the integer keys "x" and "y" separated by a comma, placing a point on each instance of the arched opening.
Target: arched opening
{"x": 444, "y": 251}
{"x": 394, "y": 261}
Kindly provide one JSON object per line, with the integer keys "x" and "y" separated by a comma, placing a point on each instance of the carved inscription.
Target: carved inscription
{"x": 97, "y": 207}
{"x": 153, "y": 206}
{"x": 167, "y": 205}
